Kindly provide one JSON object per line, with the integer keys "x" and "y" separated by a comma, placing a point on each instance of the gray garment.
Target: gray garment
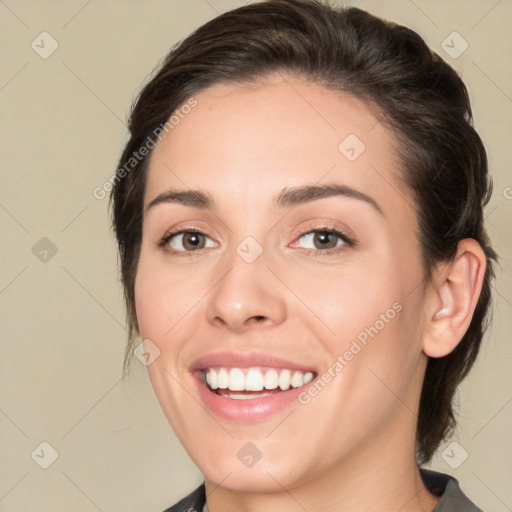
{"x": 452, "y": 499}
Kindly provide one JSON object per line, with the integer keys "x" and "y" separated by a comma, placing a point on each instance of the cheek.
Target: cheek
{"x": 366, "y": 314}
{"x": 150, "y": 299}
{"x": 168, "y": 304}
{"x": 351, "y": 298}
{"x": 156, "y": 301}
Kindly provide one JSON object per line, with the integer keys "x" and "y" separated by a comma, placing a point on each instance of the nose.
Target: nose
{"x": 247, "y": 296}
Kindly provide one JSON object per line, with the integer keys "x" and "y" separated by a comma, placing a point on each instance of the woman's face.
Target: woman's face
{"x": 285, "y": 279}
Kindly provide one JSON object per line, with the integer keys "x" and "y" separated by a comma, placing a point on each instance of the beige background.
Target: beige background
{"x": 62, "y": 128}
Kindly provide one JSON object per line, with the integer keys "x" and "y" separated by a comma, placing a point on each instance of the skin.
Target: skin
{"x": 352, "y": 447}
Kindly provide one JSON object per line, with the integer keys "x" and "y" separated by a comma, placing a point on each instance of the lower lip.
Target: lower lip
{"x": 248, "y": 410}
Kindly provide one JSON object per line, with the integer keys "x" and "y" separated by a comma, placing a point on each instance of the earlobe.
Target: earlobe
{"x": 454, "y": 298}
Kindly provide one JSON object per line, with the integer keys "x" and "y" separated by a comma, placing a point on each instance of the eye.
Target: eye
{"x": 185, "y": 241}
{"x": 324, "y": 241}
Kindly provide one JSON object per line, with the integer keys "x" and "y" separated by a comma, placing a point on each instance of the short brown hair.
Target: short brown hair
{"x": 418, "y": 96}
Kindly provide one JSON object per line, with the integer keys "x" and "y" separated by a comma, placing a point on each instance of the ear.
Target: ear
{"x": 452, "y": 299}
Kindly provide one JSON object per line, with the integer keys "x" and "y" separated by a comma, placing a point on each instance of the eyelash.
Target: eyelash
{"x": 348, "y": 241}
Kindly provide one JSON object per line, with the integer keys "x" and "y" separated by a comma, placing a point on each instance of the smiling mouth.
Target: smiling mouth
{"x": 255, "y": 382}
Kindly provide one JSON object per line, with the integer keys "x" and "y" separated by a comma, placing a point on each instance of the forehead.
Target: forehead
{"x": 245, "y": 143}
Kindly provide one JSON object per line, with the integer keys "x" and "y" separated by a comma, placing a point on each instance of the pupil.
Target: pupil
{"x": 323, "y": 238}
{"x": 192, "y": 239}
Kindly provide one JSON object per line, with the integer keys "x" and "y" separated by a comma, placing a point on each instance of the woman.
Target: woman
{"x": 299, "y": 218}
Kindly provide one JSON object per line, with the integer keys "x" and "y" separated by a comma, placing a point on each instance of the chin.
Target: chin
{"x": 262, "y": 477}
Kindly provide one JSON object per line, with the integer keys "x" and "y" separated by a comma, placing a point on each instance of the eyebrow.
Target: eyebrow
{"x": 288, "y": 197}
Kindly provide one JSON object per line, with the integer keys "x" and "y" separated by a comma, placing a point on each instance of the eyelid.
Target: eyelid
{"x": 347, "y": 242}
{"x": 192, "y": 227}
{"x": 171, "y": 233}
{"x": 325, "y": 225}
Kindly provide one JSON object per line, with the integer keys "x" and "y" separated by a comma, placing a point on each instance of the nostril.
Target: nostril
{"x": 257, "y": 319}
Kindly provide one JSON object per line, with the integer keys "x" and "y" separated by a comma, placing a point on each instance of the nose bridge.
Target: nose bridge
{"x": 247, "y": 291}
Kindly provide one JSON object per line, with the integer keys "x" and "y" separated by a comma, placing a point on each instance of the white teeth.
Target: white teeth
{"x": 238, "y": 396}
{"x": 254, "y": 379}
{"x": 236, "y": 380}
{"x": 284, "y": 379}
{"x": 223, "y": 380}
{"x": 271, "y": 379}
{"x": 211, "y": 378}
{"x": 296, "y": 379}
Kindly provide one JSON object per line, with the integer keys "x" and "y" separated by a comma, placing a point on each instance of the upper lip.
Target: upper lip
{"x": 246, "y": 360}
